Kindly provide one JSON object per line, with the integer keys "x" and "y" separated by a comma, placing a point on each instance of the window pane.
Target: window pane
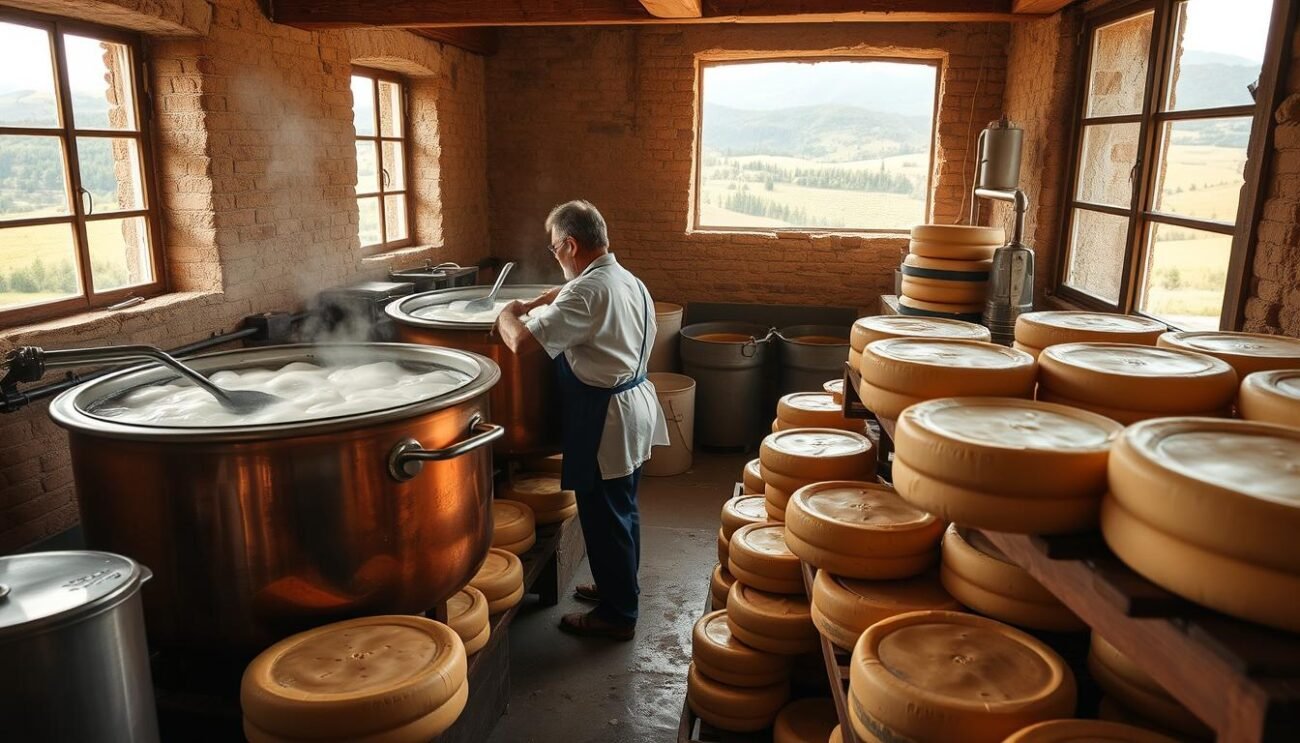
{"x": 1185, "y": 275}
{"x": 1106, "y": 166}
{"x": 394, "y": 167}
{"x": 99, "y": 76}
{"x": 27, "y": 93}
{"x": 37, "y": 265}
{"x": 367, "y": 167}
{"x": 119, "y": 253}
{"x": 110, "y": 171}
{"x": 1202, "y": 168}
{"x": 33, "y": 177}
{"x": 390, "y": 109}
{"x": 1117, "y": 69}
{"x": 368, "y": 224}
{"x": 833, "y": 144}
{"x": 1097, "y": 253}
{"x": 1218, "y": 48}
{"x": 363, "y": 105}
{"x": 395, "y": 217}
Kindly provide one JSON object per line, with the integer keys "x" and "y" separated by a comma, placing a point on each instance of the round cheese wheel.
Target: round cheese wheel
{"x": 1008, "y": 446}
{"x": 860, "y": 519}
{"x": 1031, "y": 350}
{"x": 479, "y": 641}
{"x": 1271, "y": 397}
{"x": 521, "y": 546}
{"x": 928, "y": 368}
{"x": 734, "y": 702}
{"x": 957, "y": 270}
{"x": 843, "y": 608}
{"x": 960, "y": 234}
{"x": 1048, "y": 617}
{"x": 835, "y": 388}
{"x": 805, "y": 721}
{"x": 1043, "y": 329}
{"x": 970, "y": 554}
{"x": 512, "y": 522}
{"x": 880, "y": 327}
{"x": 945, "y": 291}
{"x": 942, "y": 675}
{"x": 751, "y": 477}
{"x": 855, "y": 359}
{"x": 886, "y": 567}
{"x": 556, "y": 517}
{"x": 1124, "y": 681}
{"x": 1246, "y": 352}
{"x": 1231, "y": 487}
{"x": 1131, "y": 377}
{"x": 500, "y": 575}
{"x": 719, "y": 585}
{"x": 941, "y": 308}
{"x": 778, "y": 623}
{"x": 719, "y": 655}
{"x": 354, "y": 678}
{"x": 1235, "y": 587}
{"x": 742, "y": 511}
{"x": 776, "y": 425}
{"x": 540, "y": 492}
{"x": 814, "y": 410}
{"x": 951, "y": 251}
{"x": 496, "y": 606}
{"x": 1014, "y": 514}
{"x": 1086, "y": 731}
{"x": 837, "y": 735}
{"x": 782, "y": 485}
{"x": 774, "y": 512}
{"x": 467, "y": 613}
{"x": 724, "y": 548}
{"x": 1125, "y": 417}
{"x": 776, "y": 497}
{"x": 814, "y": 454}
{"x": 759, "y": 557}
{"x": 885, "y": 403}
{"x": 423, "y": 729}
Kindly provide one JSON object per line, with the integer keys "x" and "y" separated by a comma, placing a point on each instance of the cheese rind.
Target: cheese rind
{"x": 880, "y": 327}
{"x": 1271, "y": 397}
{"x": 425, "y": 728}
{"x": 496, "y": 606}
{"x": 860, "y": 519}
{"x": 805, "y": 721}
{"x": 944, "y": 308}
{"x": 479, "y": 641}
{"x": 960, "y": 234}
{"x": 1049, "y": 617}
{"x": 778, "y": 623}
{"x": 814, "y": 454}
{"x": 501, "y": 574}
{"x": 928, "y": 368}
{"x": 714, "y": 647}
{"x": 971, "y": 555}
{"x": 1050, "y": 328}
{"x": 944, "y": 291}
{"x": 1031, "y": 350}
{"x": 467, "y": 613}
{"x": 758, "y": 556}
{"x": 1125, "y": 417}
{"x": 512, "y": 522}
{"x": 541, "y": 492}
{"x": 883, "y": 567}
{"x": 734, "y": 706}
{"x": 751, "y": 477}
{"x": 835, "y": 388}
{"x": 1125, "y": 682}
{"x": 1092, "y": 731}
{"x": 521, "y": 546}
{"x": 559, "y": 516}
{"x": 1137, "y": 378}
{"x": 719, "y": 585}
{"x": 742, "y": 511}
{"x": 724, "y": 547}
{"x": 843, "y": 608}
{"x": 1246, "y": 352}
{"x": 979, "y": 267}
{"x": 885, "y": 404}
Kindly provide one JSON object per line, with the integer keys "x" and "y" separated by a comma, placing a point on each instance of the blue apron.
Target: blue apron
{"x": 583, "y": 414}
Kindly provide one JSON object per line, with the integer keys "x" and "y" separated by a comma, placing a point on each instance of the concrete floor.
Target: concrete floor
{"x": 578, "y": 690}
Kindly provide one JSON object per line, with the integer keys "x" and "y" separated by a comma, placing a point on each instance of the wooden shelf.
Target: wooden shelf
{"x": 880, "y": 430}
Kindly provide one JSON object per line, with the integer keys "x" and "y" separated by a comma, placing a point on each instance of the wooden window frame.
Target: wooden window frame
{"x": 404, "y": 138}
{"x": 1140, "y": 214}
{"x": 67, "y": 133}
{"x": 931, "y": 175}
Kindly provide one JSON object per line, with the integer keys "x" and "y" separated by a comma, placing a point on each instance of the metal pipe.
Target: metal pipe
{"x": 1019, "y": 201}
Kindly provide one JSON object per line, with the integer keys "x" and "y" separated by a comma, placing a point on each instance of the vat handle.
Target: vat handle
{"x": 750, "y": 347}
{"x": 407, "y": 459}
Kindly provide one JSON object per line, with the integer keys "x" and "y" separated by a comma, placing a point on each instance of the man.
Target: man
{"x": 599, "y": 328}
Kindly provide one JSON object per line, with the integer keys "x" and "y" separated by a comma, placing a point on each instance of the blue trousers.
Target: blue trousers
{"x": 611, "y": 526}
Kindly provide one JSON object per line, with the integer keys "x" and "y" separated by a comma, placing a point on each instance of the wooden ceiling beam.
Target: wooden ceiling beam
{"x": 1039, "y": 7}
{"x": 673, "y": 8}
{"x": 473, "y": 39}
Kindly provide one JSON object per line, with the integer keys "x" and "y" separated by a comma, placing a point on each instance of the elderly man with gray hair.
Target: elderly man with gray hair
{"x": 599, "y": 328}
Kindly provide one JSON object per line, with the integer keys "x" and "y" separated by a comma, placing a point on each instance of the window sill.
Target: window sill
{"x": 398, "y": 255}
{"x": 103, "y": 325}
{"x": 788, "y": 234}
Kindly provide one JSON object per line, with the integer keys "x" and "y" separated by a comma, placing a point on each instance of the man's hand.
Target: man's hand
{"x": 543, "y": 300}
{"x": 510, "y": 327}
{"x": 516, "y": 308}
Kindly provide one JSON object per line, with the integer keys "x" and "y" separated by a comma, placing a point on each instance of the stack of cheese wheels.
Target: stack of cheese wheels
{"x": 718, "y": 655}
{"x": 738, "y": 709}
{"x": 392, "y": 678}
{"x": 541, "y": 492}
{"x": 843, "y": 608}
{"x": 808, "y": 720}
{"x": 1038, "y": 330}
{"x": 467, "y": 615}
{"x": 720, "y": 586}
{"x": 776, "y": 622}
{"x": 977, "y": 574}
{"x": 900, "y": 372}
{"x": 1005, "y": 464}
{"x": 948, "y": 676}
{"x": 860, "y": 530}
{"x": 514, "y": 528}
{"x": 501, "y": 579}
{"x": 1246, "y": 352}
{"x": 946, "y": 272}
{"x": 1095, "y": 731}
{"x": 791, "y": 459}
{"x": 880, "y": 327}
{"x": 835, "y": 388}
{"x": 738, "y": 512}
{"x": 1209, "y": 509}
{"x": 1271, "y": 397}
{"x": 1137, "y": 694}
{"x": 813, "y": 410}
{"x": 752, "y": 478}
{"x": 758, "y": 557}
{"x": 1130, "y": 383}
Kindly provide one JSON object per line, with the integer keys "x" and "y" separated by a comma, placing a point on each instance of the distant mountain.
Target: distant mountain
{"x": 828, "y": 132}
{"x": 1210, "y": 79}
{"x": 34, "y": 108}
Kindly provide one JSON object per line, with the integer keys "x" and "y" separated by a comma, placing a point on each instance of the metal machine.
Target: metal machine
{"x": 1011, "y": 278}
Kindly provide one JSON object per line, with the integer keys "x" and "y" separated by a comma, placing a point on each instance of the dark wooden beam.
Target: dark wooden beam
{"x": 477, "y": 40}
{"x": 673, "y": 8}
{"x": 1040, "y": 7}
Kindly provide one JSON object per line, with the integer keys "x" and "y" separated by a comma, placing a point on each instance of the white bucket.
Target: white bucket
{"x": 677, "y": 398}
{"x": 668, "y": 325}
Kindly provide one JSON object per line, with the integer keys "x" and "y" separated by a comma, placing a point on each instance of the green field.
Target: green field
{"x": 38, "y": 264}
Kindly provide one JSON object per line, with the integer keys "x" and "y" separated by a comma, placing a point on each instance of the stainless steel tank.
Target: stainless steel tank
{"x": 811, "y": 355}
{"x": 729, "y": 363}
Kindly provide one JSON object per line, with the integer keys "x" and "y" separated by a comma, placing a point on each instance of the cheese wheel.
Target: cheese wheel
{"x": 837, "y": 735}
{"x": 858, "y": 721}
{"x": 885, "y": 403}
{"x": 860, "y": 519}
{"x": 805, "y": 721}
{"x": 556, "y": 517}
{"x": 751, "y": 477}
{"x": 879, "y": 327}
{"x": 776, "y": 497}
{"x": 886, "y": 567}
{"x": 1235, "y": 587}
{"x": 947, "y": 676}
{"x": 928, "y": 368}
{"x": 496, "y": 606}
{"x": 1246, "y": 352}
{"x": 354, "y": 678}
{"x": 423, "y": 729}
{"x": 479, "y": 641}
{"x": 758, "y": 556}
{"x": 957, "y": 270}
{"x": 1051, "y": 618}
{"x": 843, "y": 608}
{"x": 500, "y": 575}
{"x": 719, "y": 655}
{"x": 1031, "y": 350}
{"x": 814, "y": 454}
{"x": 724, "y": 548}
{"x": 959, "y": 234}
{"x": 734, "y": 708}
{"x": 540, "y": 492}
{"x": 1230, "y": 487}
{"x": 972, "y": 309}
{"x": 970, "y": 554}
{"x": 1124, "y": 681}
{"x": 945, "y": 291}
{"x": 951, "y": 251}
{"x": 512, "y": 522}
{"x": 855, "y": 359}
{"x": 1271, "y": 397}
{"x": 778, "y": 623}
{"x": 782, "y": 486}
{"x": 1141, "y": 378}
{"x": 520, "y": 547}
{"x": 1086, "y": 731}
{"x": 774, "y": 512}
{"x": 719, "y": 585}
{"x": 814, "y": 410}
{"x": 835, "y": 388}
{"x": 1126, "y": 417}
{"x": 990, "y": 511}
{"x": 742, "y": 511}
{"x": 467, "y": 613}
{"x": 1008, "y": 446}
{"x": 1051, "y": 328}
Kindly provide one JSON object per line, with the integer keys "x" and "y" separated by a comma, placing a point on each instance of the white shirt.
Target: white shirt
{"x": 601, "y": 321}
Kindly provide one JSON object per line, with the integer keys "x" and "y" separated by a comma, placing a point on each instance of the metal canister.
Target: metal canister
{"x": 1011, "y": 290}
{"x": 73, "y": 642}
{"x": 728, "y": 361}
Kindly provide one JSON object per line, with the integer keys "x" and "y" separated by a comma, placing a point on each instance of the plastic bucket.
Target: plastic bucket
{"x": 668, "y": 327}
{"x": 677, "y": 398}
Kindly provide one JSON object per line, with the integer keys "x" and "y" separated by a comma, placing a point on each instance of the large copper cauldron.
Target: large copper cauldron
{"x": 255, "y": 532}
{"x": 526, "y": 402}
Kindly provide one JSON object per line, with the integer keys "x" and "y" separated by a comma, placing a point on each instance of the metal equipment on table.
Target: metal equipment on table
{"x": 355, "y": 313}
{"x": 430, "y": 277}
{"x": 1011, "y": 278}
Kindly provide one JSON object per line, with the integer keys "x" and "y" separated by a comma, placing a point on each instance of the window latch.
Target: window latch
{"x": 87, "y": 197}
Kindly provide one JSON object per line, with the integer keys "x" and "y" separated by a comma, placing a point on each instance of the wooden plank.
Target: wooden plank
{"x": 1041, "y": 7}
{"x": 673, "y": 8}
{"x": 478, "y": 40}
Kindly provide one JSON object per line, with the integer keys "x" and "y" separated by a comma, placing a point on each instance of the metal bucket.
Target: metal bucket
{"x": 728, "y": 361}
{"x": 676, "y": 394}
{"x": 811, "y": 355}
{"x": 668, "y": 326}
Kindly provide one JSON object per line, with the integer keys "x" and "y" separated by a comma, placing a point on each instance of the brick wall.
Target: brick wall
{"x": 609, "y": 115}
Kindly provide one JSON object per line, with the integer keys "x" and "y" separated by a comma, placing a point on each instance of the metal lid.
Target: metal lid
{"x": 40, "y": 589}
